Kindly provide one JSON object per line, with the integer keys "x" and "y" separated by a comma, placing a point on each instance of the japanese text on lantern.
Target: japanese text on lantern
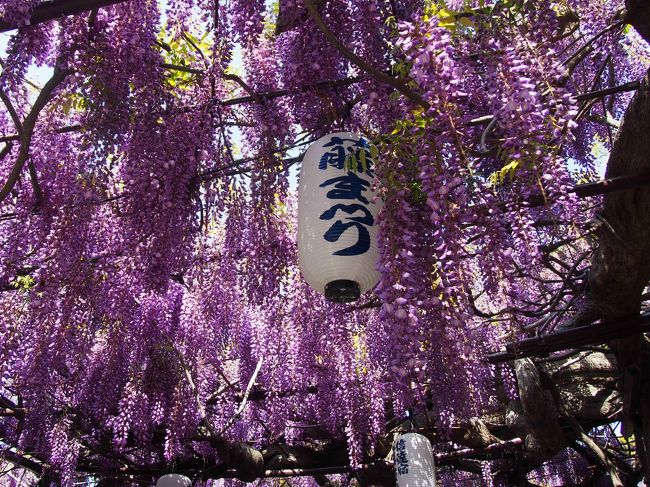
{"x": 349, "y": 188}
{"x": 401, "y": 460}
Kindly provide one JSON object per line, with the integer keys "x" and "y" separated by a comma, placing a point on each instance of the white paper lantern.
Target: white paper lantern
{"x": 337, "y": 217}
{"x": 174, "y": 480}
{"x": 414, "y": 464}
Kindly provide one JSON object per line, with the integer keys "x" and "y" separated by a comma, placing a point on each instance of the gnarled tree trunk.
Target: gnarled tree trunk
{"x": 620, "y": 268}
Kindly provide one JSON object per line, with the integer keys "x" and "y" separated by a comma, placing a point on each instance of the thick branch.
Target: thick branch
{"x": 28, "y": 129}
{"x": 620, "y": 269}
{"x": 54, "y": 9}
{"x": 12, "y": 111}
{"x": 357, "y": 61}
{"x": 582, "y": 435}
{"x": 278, "y": 93}
{"x": 256, "y": 96}
{"x": 38, "y": 193}
{"x": 545, "y": 437}
{"x": 5, "y": 150}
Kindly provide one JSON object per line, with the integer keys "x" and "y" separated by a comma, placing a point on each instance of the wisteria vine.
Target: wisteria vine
{"x": 147, "y": 247}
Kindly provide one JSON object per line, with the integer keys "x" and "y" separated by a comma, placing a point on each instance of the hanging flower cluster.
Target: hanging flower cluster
{"x": 148, "y": 267}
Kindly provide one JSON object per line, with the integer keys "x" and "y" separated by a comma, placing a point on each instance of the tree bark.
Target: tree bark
{"x": 638, "y": 15}
{"x": 544, "y": 436}
{"x": 620, "y": 268}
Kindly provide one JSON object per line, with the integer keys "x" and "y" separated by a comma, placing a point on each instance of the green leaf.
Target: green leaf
{"x": 507, "y": 171}
{"x": 362, "y": 157}
{"x": 23, "y": 282}
{"x": 374, "y": 152}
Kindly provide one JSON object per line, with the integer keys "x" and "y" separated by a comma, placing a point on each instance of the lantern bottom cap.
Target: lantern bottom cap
{"x": 342, "y": 291}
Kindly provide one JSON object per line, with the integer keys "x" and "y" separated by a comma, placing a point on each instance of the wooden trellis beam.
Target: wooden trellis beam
{"x": 573, "y": 338}
{"x": 612, "y": 184}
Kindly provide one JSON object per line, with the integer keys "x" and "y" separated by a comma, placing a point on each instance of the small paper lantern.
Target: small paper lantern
{"x": 174, "y": 480}
{"x": 337, "y": 217}
{"x": 414, "y": 464}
